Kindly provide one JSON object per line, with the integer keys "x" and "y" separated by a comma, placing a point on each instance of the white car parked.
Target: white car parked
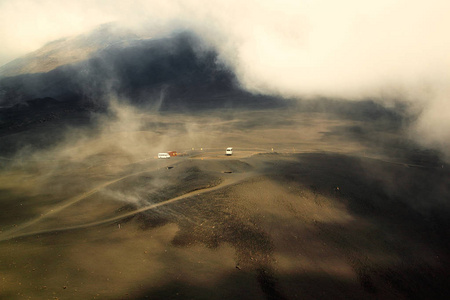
{"x": 229, "y": 151}
{"x": 163, "y": 155}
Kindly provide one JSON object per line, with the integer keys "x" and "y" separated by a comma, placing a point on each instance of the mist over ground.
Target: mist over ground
{"x": 338, "y": 115}
{"x": 387, "y": 51}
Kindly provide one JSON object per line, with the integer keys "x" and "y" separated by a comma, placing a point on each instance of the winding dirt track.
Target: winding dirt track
{"x": 233, "y": 179}
{"x": 10, "y": 233}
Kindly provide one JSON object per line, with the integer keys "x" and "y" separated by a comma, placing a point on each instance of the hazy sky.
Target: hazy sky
{"x": 347, "y": 48}
{"x": 321, "y": 45}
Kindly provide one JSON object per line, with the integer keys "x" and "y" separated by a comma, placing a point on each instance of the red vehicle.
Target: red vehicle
{"x": 172, "y": 153}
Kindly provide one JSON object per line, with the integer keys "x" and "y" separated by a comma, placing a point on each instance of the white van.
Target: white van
{"x": 163, "y": 155}
{"x": 229, "y": 151}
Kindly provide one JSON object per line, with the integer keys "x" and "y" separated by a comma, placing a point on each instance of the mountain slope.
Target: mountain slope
{"x": 67, "y": 51}
{"x": 180, "y": 68}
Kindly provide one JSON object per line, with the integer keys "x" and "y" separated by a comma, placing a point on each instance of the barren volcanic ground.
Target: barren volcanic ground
{"x": 308, "y": 207}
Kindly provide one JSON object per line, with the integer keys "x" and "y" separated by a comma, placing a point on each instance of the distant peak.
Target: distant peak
{"x": 67, "y": 50}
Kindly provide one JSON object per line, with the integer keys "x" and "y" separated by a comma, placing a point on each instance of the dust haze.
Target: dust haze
{"x": 387, "y": 51}
{"x": 338, "y": 115}
{"x": 336, "y": 204}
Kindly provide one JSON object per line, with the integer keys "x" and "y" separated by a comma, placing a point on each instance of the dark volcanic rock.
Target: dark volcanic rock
{"x": 178, "y": 72}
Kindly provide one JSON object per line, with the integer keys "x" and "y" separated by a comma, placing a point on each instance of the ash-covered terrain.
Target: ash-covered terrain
{"x": 321, "y": 199}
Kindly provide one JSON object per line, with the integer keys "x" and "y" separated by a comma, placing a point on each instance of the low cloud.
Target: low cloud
{"x": 385, "y": 50}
